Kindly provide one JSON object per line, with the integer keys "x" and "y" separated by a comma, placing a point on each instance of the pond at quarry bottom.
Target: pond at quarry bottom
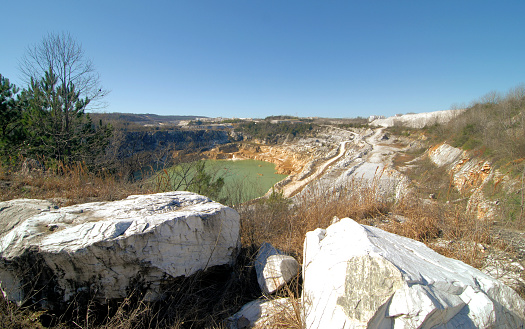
{"x": 244, "y": 179}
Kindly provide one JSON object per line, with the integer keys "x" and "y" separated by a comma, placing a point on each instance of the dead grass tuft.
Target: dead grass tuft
{"x": 12, "y": 316}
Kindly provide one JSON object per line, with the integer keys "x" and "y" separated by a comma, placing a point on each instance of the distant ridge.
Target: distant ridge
{"x": 143, "y": 118}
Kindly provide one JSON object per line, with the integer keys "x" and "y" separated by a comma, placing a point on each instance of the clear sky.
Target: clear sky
{"x": 255, "y": 58}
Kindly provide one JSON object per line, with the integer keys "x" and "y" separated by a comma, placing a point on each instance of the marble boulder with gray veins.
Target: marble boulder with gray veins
{"x": 107, "y": 249}
{"x": 357, "y": 276}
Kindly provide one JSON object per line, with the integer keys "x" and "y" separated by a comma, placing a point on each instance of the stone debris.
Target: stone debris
{"x": 417, "y": 120}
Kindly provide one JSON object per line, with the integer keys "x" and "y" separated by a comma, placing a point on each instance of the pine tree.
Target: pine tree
{"x": 57, "y": 125}
{"x": 10, "y": 117}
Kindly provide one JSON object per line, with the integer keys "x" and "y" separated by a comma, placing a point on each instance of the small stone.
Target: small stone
{"x": 274, "y": 269}
{"x": 243, "y": 323}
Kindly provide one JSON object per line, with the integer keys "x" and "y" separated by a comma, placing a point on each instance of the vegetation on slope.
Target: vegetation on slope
{"x": 70, "y": 149}
{"x": 494, "y": 126}
{"x": 205, "y": 301}
{"x": 271, "y": 132}
{"x": 491, "y": 129}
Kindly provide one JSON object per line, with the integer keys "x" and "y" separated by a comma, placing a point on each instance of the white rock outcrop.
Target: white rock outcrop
{"x": 444, "y": 155}
{"x": 274, "y": 269}
{"x": 110, "y": 248}
{"x": 418, "y": 120}
{"x": 356, "y": 276}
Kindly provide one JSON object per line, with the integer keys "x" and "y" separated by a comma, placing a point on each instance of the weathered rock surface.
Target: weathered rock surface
{"x": 444, "y": 154}
{"x": 357, "y": 276}
{"x": 137, "y": 141}
{"x": 110, "y": 248}
{"x": 469, "y": 176}
{"x": 468, "y": 173}
{"x": 274, "y": 269}
{"x": 264, "y": 314}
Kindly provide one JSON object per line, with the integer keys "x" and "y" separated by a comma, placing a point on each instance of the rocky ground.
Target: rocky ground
{"x": 337, "y": 158}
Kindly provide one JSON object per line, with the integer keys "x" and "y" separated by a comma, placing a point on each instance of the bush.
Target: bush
{"x": 495, "y": 124}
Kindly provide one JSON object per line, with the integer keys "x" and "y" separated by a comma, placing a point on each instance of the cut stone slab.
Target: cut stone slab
{"x": 356, "y": 276}
{"x": 274, "y": 269}
{"x": 110, "y": 248}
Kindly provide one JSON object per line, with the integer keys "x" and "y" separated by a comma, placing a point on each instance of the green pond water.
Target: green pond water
{"x": 244, "y": 180}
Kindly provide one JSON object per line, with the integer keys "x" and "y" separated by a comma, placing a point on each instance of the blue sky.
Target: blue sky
{"x": 254, "y": 58}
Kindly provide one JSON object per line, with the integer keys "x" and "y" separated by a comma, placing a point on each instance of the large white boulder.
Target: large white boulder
{"x": 356, "y": 276}
{"x": 110, "y": 248}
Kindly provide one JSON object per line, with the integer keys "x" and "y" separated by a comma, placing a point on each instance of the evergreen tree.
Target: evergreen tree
{"x": 11, "y": 132}
{"x": 57, "y": 125}
{"x": 204, "y": 183}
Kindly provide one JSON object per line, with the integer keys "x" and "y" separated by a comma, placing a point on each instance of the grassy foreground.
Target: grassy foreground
{"x": 206, "y": 300}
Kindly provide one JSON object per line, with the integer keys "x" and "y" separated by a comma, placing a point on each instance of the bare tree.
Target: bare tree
{"x": 63, "y": 84}
{"x": 63, "y": 56}
{"x": 492, "y": 97}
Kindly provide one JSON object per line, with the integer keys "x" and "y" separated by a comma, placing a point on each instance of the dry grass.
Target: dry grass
{"x": 12, "y": 316}
{"x": 65, "y": 185}
{"x": 446, "y": 228}
{"x": 206, "y": 300}
{"x": 278, "y": 222}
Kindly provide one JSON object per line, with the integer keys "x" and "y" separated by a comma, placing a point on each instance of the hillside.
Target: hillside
{"x": 455, "y": 185}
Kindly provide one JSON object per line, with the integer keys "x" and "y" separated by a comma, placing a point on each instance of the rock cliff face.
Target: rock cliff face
{"x": 176, "y": 140}
{"x": 109, "y": 248}
{"x": 332, "y": 159}
{"x": 469, "y": 176}
{"x": 468, "y": 172}
{"x": 357, "y": 276}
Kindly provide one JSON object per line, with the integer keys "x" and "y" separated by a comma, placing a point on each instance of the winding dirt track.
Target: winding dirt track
{"x": 295, "y": 186}
{"x": 375, "y": 152}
